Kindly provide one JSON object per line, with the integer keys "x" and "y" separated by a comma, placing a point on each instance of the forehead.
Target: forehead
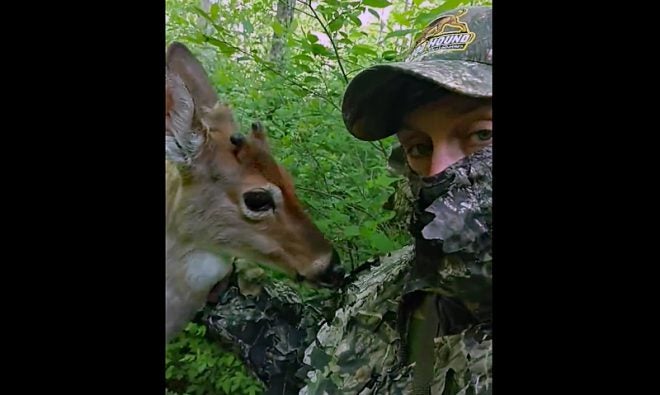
{"x": 258, "y": 162}
{"x": 268, "y": 168}
{"x": 452, "y": 105}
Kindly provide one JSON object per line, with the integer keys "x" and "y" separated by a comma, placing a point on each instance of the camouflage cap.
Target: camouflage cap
{"x": 453, "y": 52}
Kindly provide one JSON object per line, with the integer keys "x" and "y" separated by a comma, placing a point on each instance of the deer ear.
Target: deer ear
{"x": 189, "y": 95}
{"x": 181, "y": 142}
{"x": 179, "y": 106}
{"x": 183, "y": 63}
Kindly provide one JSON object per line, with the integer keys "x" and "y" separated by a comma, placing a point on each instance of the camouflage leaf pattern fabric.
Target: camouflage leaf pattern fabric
{"x": 268, "y": 330}
{"x": 452, "y": 226}
{"x": 361, "y": 344}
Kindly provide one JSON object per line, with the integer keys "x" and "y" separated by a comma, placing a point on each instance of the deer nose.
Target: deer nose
{"x": 334, "y": 274}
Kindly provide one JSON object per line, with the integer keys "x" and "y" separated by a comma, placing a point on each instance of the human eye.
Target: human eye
{"x": 419, "y": 150}
{"x": 480, "y": 133}
{"x": 481, "y": 136}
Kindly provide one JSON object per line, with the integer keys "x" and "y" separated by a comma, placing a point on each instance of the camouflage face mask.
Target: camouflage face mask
{"x": 452, "y": 227}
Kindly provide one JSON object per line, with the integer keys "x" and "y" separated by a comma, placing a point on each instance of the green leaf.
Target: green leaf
{"x": 351, "y": 231}
{"x": 374, "y": 13}
{"x": 303, "y": 57}
{"x": 389, "y": 55}
{"x": 399, "y": 33}
{"x": 388, "y": 215}
{"x": 362, "y": 49}
{"x": 356, "y": 21}
{"x": 400, "y": 18}
{"x": 318, "y": 49}
{"x": 177, "y": 19}
{"x": 336, "y": 24}
{"x": 449, "y": 5}
{"x": 367, "y": 229}
{"x": 169, "y": 372}
{"x": 346, "y": 41}
{"x": 428, "y": 16}
{"x": 312, "y": 79}
{"x": 247, "y": 26}
{"x": 305, "y": 68}
{"x": 376, "y": 3}
{"x": 197, "y": 38}
{"x": 381, "y": 242}
{"x": 277, "y": 28}
{"x": 226, "y": 385}
{"x": 224, "y": 47}
{"x": 312, "y": 38}
{"x": 206, "y": 16}
{"x": 324, "y": 10}
{"x": 215, "y": 9}
{"x": 383, "y": 180}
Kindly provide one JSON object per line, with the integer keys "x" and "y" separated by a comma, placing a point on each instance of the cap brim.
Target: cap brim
{"x": 374, "y": 98}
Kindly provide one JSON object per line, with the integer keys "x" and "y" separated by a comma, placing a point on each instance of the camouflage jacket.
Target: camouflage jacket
{"x": 370, "y": 340}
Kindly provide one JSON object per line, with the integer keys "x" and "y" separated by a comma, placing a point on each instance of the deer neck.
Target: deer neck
{"x": 195, "y": 269}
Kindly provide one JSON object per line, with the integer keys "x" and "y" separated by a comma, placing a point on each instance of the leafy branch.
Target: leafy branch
{"x": 327, "y": 33}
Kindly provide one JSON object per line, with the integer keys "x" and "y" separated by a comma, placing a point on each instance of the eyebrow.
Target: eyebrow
{"x": 406, "y": 130}
{"x": 471, "y": 106}
{"x": 461, "y": 109}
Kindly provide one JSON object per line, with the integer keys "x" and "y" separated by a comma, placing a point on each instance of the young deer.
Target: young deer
{"x": 225, "y": 196}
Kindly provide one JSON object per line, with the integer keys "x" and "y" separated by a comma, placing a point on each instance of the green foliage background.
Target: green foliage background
{"x": 343, "y": 182}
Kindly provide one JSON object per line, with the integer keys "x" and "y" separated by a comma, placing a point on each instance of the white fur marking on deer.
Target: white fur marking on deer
{"x": 225, "y": 196}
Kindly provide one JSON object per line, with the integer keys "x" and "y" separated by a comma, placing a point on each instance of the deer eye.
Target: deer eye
{"x": 259, "y": 200}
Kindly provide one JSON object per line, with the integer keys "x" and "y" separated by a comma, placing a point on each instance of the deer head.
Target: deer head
{"x": 225, "y": 191}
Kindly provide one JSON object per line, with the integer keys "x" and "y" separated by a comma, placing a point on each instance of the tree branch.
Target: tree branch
{"x": 327, "y": 33}
{"x": 305, "y": 13}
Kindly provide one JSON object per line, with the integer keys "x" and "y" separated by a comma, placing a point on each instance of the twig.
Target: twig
{"x": 318, "y": 166}
{"x": 304, "y": 12}
{"x": 380, "y": 147}
{"x": 317, "y": 191}
{"x": 325, "y": 29}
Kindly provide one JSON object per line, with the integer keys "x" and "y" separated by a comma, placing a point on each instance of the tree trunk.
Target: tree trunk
{"x": 285, "y": 9}
{"x": 201, "y": 22}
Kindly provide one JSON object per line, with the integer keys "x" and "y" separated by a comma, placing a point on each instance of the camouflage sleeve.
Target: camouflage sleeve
{"x": 268, "y": 327}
